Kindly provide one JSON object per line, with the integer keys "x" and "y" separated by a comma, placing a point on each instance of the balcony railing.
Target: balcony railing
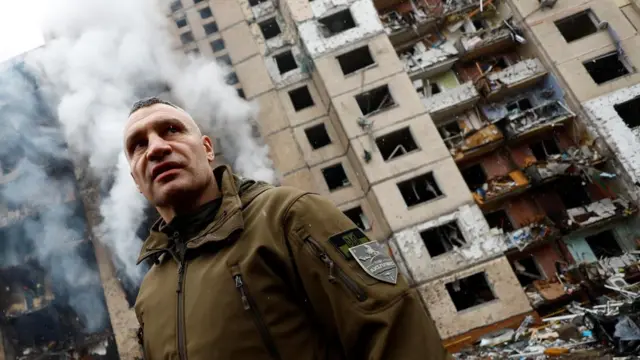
{"x": 459, "y": 98}
{"x": 546, "y": 114}
{"x": 567, "y": 163}
{"x": 517, "y": 76}
{"x": 464, "y": 146}
{"x": 598, "y": 212}
{"x": 424, "y": 62}
{"x": 487, "y": 40}
{"x": 501, "y": 187}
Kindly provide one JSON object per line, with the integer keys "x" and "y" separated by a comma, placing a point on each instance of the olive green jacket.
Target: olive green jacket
{"x": 262, "y": 281}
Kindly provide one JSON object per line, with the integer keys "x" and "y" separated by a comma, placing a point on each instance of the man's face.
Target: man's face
{"x": 168, "y": 156}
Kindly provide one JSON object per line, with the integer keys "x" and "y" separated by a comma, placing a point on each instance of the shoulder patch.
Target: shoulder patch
{"x": 348, "y": 239}
{"x": 375, "y": 261}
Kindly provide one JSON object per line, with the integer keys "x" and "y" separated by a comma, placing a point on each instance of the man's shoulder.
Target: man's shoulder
{"x": 279, "y": 196}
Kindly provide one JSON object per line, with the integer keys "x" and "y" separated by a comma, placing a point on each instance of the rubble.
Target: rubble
{"x": 599, "y": 211}
{"x": 495, "y": 79}
{"x": 464, "y": 142}
{"x": 451, "y": 98}
{"x": 548, "y": 113}
{"x": 499, "y": 186}
{"x": 427, "y": 53}
{"x": 572, "y": 161}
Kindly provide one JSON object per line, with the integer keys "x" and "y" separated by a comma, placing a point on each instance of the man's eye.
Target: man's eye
{"x": 172, "y": 129}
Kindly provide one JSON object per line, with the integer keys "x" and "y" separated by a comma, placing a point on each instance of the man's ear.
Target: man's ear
{"x": 208, "y": 148}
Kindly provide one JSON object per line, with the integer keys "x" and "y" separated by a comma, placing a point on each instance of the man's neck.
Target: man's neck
{"x": 210, "y": 193}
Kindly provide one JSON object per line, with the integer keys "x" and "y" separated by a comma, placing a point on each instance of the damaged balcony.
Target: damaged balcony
{"x": 429, "y": 56}
{"x": 495, "y": 84}
{"x": 487, "y": 190}
{"x": 566, "y": 163}
{"x": 406, "y": 21}
{"x": 448, "y": 102}
{"x": 598, "y": 213}
{"x": 521, "y": 124}
{"x": 467, "y": 137}
{"x": 486, "y": 41}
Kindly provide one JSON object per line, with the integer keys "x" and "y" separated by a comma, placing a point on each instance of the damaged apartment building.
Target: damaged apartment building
{"x": 486, "y": 142}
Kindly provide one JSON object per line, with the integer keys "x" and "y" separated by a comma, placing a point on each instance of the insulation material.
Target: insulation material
{"x": 572, "y": 160}
{"x": 425, "y": 54}
{"x": 598, "y": 211}
{"x": 480, "y": 243}
{"x": 548, "y": 113}
{"x": 404, "y": 17}
{"x": 317, "y": 44}
{"x": 514, "y": 74}
{"x": 450, "y": 98}
{"x": 263, "y": 9}
{"x": 469, "y": 42}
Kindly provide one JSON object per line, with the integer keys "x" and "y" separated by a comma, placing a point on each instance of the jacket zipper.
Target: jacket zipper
{"x": 182, "y": 267}
{"x": 336, "y": 271}
{"x": 249, "y": 305}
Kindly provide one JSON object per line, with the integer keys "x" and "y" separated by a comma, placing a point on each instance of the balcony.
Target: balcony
{"x": 421, "y": 61}
{"x": 483, "y": 42}
{"x": 407, "y": 26}
{"x": 535, "y": 233}
{"x": 471, "y": 144}
{"x": 597, "y": 213}
{"x": 451, "y": 101}
{"x": 569, "y": 162}
{"x": 500, "y": 188}
{"x": 523, "y": 124}
{"x": 496, "y": 85}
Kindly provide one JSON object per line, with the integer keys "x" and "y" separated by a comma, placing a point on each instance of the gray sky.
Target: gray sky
{"x": 19, "y": 26}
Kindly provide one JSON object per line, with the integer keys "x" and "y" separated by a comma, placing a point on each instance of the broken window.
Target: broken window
{"x": 578, "y": 25}
{"x": 240, "y": 93}
{"x": 232, "y": 78}
{"x": 519, "y": 105}
{"x": 499, "y": 220}
{"x": 181, "y": 22}
{"x": 606, "y": 67}
{"x": 317, "y": 136}
{"x": 225, "y": 59}
{"x": 604, "y": 244}
{"x": 210, "y": 28}
{"x": 217, "y": 45}
{"x": 301, "y": 98}
{"x": 286, "y": 62}
{"x": 205, "y": 13}
{"x": 419, "y": 189}
{"x": 443, "y": 238}
{"x": 629, "y": 111}
{"x": 470, "y": 291}
{"x": 396, "y": 144}
{"x": 358, "y": 217}
{"x": 375, "y": 100}
{"x": 572, "y": 192}
{"x": 337, "y": 23}
{"x": 270, "y": 28}
{"x": 186, "y": 38}
{"x": 474, "y": 176}
{"x": 355, "y": 60}
{"x": 527, "y": 270}
{"x": 335, "y": 176}
{"x": 175, "y": 6}
{"x": 451, "y": 133}
{"x": 542, "y": 149}
{"x": 256, "y": 2}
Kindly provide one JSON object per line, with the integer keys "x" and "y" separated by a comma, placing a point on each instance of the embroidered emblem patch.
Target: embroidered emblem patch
{"x": 348, "y": 239}
{"x": 375, "y": 261}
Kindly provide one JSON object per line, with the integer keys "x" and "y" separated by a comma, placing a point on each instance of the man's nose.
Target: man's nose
{"x": 158, "y": 148}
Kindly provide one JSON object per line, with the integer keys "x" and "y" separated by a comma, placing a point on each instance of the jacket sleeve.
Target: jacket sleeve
{"x": 373, "y": 319}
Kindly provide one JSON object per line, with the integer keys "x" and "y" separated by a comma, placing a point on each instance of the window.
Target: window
{"x": 286, "y": 62}
{"x": 335, "y": 177}
{"x": 301, "y": 98}
{"x": 317, "y": 136}
{"x": 194, "y": 51}
{"x": 606, "y": 67}
{"x": 217, "y": 45}
{"x": 232, "y": 78}
{"x": 197, "y": 1}
{"x": 451, "y": 133}
{"x": 210, "y": 28}
{"x": 337, "y": 23}
{"x": 527, "y": 270}
{"x": 470, "y": 291}
{"x": 419, "y": 189}
{"x": 225, "y": 59}
{"x": 629, "y": 111}
{"x": 519, "y": 105}
{"x": 572, "y": 193}
{"x": 240, "y": 93}
{"x": 542, "y": 149}
{"x": 186, "y": 38}
{"x": 182, "y": 22}
{"x": 577, "y": 26}
{"x": 270, "y": 28}
{"x": 474, "y": 176}
{"x": 442, "y": 239}
{"x": 375, "y": 100}
{"x": 205, "y": 13}
{"x": 357, "y": 216}
{"x": 355, "y": 60}
{"x": 396, "y": 144}
{"x": 175, "y": 6}
{"x": 604, "y": 244}
{"x": 256, "y": 2}
{"x": 499, "y": 220}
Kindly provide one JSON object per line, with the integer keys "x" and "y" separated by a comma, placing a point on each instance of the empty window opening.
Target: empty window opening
{"x": 629, "y": 111}
{"x": 182, "y": 22}
{"x": 451, "y": 134}
{"x": 358, "y": 217}
{"x": 225, "y": 59}
{"x": 542, "y": 149}
{"x": 499, "y": 220}
{"x": 335, "y": 177}
{"x": 606, "y": 67}
{"x": 396, "y": 144}
{"x": 604, "y": 244}
{"x": 232, "y": 78}
{"x": 186, "y": 38}
{"x": 572, "y": 192}
{"x": 470, "y": 291}
{"x": 527, "y": 270}
{"x": 256, "y": 2}
{"x": 479, "y": 24}
{"x": 375, "y": 100}
{"x": 270, "y": 28}
{"x": 337, "y": 23}
{"x": 301, "y": 98}
{"x": 206, "y": 13}
{"x": 217, "y": 45}
{"x": 355, "y": 60}
{"x": 519, "y": 105}
{"x": 317, "y": 136}
{"x": 442, "y": 239}
{"x": 501, "y": 63}
{"x": 176, "y": 5}
{"x": 210, "y": 28}
{"x": 197, "y": 1}
{"x": 577, "y": 26}
{"x": 240, "y": 93}
{"x": 474, "y": 176}
{"x": 286, "y": 62}
{"x": 419, "y": 189}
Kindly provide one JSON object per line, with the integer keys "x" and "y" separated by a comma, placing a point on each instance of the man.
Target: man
{"x": 245, "y": 270}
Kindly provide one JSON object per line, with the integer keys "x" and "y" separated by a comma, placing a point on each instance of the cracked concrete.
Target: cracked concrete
{"x": 449, "y": 98}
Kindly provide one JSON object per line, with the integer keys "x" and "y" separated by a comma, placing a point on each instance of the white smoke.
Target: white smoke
{"x": 99, "y": 57}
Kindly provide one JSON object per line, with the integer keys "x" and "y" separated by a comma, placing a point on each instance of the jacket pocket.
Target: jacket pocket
{"x": 250, "y": 306}
{"x": 336, "y": 274}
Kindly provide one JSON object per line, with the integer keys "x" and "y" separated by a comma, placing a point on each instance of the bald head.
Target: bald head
{"x": 153, "y": 103}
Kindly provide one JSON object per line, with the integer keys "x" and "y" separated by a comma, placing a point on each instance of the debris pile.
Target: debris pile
{"x": 572, "y": 161}
{"x": 500, "y": 185}
{"x": 598, "y": 211}
{"x": 463, "y": 142}
{"x": 548, "y": 113}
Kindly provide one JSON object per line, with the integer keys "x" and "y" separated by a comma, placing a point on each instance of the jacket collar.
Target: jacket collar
{"x": 235, "y": 192}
